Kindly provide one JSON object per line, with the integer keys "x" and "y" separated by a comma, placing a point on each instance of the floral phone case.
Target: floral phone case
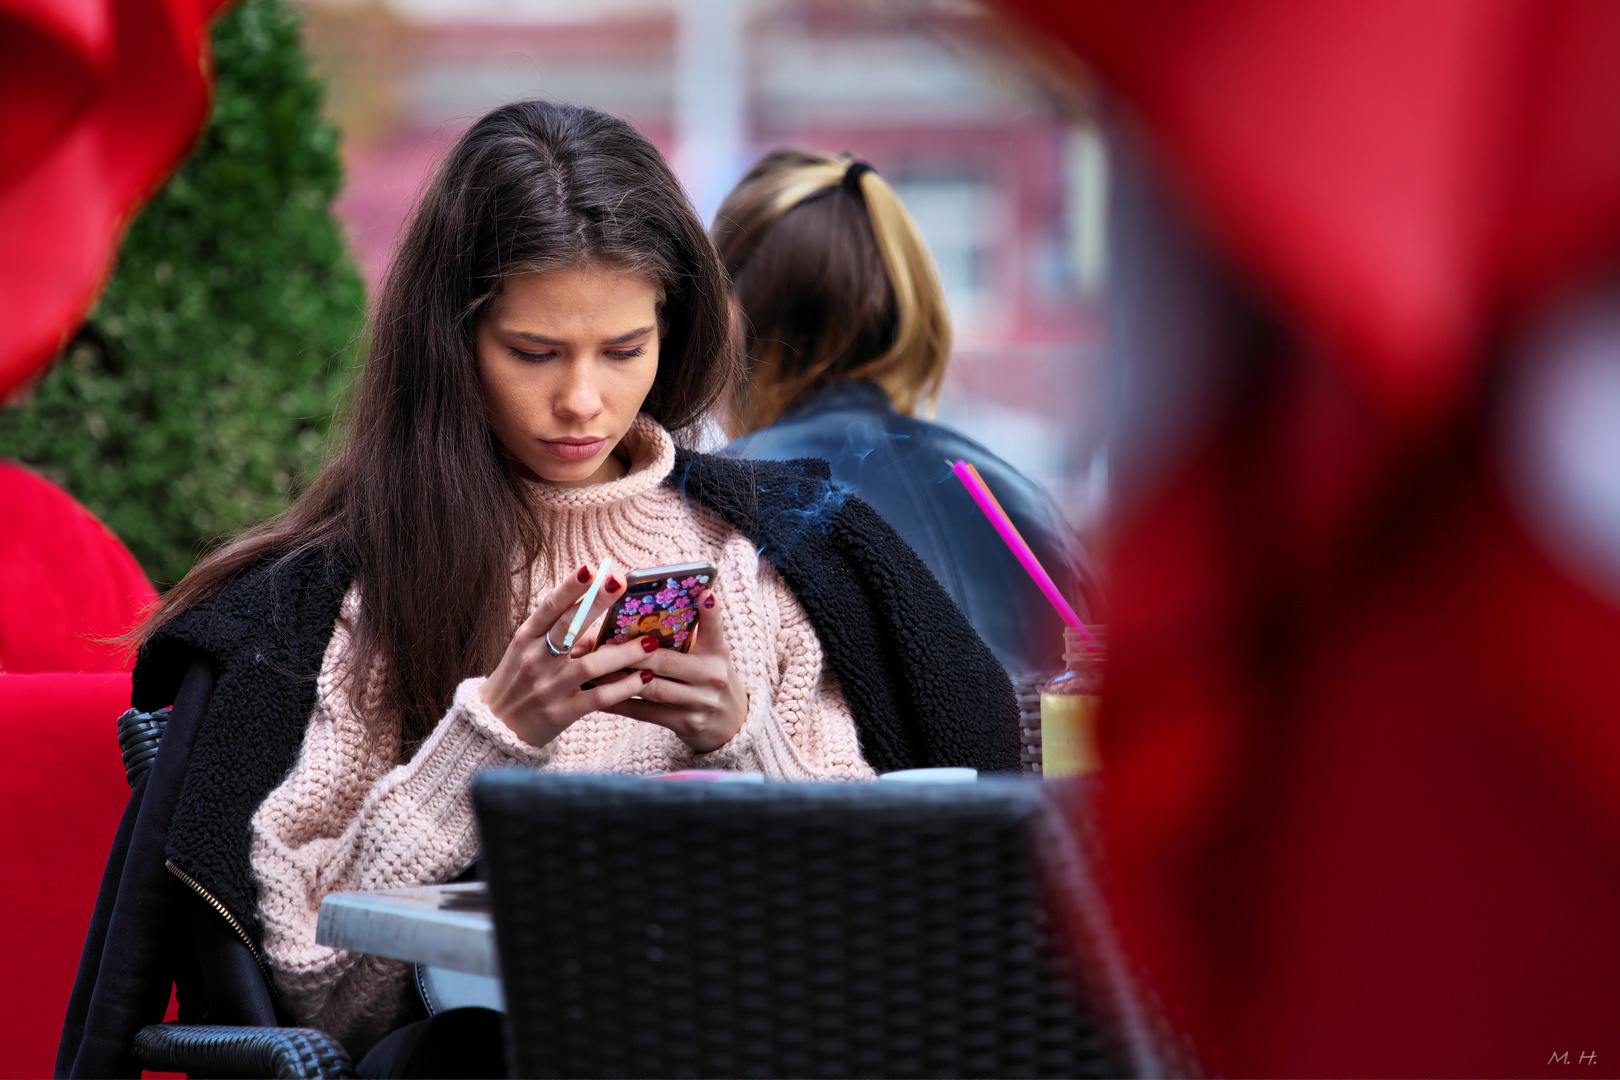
{"x": 661, "y": 602}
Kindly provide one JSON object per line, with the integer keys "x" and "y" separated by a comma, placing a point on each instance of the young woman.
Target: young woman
{"x": 847, "y": 338}
{"x": 339, "y": 674}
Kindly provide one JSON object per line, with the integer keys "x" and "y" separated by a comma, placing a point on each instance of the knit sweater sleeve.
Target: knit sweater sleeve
{"x": 799, "y": 726}
{"x": 347, "y": 817}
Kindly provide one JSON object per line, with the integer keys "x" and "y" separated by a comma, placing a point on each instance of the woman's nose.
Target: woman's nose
{"x": 579, "y": 398}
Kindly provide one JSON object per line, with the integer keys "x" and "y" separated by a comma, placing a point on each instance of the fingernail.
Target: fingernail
{"x": 708, "y": 601}
{"x": 646, "y": 676}
{"x": 649, "y": 645}
{"x": 611, "y": 587}
{"x": 584, "y": 574}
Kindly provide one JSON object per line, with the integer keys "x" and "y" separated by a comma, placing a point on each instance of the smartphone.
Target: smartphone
{"x": 661, "y": 602}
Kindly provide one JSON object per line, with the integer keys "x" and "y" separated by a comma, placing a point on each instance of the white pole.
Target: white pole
{"x": 710, "y": 99}
{"x": 1088, "y": 209}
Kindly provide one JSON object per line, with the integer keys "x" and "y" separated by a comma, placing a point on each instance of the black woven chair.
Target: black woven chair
{"x": 688, "y": 929}
{"x": 218, "y": 1050}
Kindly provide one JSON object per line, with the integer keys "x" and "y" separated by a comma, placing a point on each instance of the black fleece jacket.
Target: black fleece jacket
{"x": 924, "y": 690}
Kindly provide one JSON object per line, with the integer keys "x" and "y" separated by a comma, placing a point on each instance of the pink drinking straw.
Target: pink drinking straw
{"x": 1015, "y": 541}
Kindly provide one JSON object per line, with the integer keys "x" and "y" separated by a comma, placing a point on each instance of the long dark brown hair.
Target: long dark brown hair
{"x": 419, "y": 498}
{"x": 833, "y": 281}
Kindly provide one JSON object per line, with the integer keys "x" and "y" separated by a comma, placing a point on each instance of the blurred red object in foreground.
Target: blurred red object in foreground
{"x": 59, "y": 809}
{"x": 1361, "y": 741}
{"x": 1401, "y": 173}
{"x": 99, "y": 99}
{"x": 66, "y": 583}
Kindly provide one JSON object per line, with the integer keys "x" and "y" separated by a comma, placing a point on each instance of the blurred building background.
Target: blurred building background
{"x": 1001, "y": 164}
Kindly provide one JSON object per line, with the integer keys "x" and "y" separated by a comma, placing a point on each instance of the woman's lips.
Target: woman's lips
{"x": 573, "y": 451}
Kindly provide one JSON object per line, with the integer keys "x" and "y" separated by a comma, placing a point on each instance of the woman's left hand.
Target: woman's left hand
{"x": 695, "y": 694}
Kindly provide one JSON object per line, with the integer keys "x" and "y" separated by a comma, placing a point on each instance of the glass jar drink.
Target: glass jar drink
{"x": 1069, "y": 708}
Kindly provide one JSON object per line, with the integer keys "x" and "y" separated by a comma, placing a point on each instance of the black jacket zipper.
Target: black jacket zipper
{"x": 236, "y": 924}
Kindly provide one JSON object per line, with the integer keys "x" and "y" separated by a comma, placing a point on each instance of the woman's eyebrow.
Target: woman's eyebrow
{"x": 540, "y": 339}
{"x": 631, "y": 336}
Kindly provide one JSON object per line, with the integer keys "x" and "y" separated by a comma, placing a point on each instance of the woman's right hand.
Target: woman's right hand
{"x": 537, "y": 694}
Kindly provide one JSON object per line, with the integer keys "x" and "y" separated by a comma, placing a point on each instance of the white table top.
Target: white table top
{"x": 445, "y": 926}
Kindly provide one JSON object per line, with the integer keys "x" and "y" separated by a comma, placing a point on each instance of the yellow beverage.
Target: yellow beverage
{"x": 1069, "y": 735}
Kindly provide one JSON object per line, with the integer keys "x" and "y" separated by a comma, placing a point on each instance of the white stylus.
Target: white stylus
{"x": 585, "y": 604}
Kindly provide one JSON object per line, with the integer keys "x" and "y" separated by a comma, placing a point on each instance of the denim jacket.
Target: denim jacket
{"x": 900, "y": 465}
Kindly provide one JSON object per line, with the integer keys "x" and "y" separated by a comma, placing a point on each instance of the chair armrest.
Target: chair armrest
{"x": 139, "y": 734}
{"x": 210, "y": 1050}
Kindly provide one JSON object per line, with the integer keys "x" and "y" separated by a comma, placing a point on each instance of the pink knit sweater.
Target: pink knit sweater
{"x": 353, "y": 815}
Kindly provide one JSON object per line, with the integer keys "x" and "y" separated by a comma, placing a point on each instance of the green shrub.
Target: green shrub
{"x": 196, "y": 398}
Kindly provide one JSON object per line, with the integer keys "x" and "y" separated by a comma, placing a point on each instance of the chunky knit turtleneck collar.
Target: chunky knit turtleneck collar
{"x": 651, "y": 454}
{"x": 638, "y": 519}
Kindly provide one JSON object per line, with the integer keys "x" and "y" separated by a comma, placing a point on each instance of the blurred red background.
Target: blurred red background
{"x": 1363, "y": 769}
{"x": 99, "y": 100}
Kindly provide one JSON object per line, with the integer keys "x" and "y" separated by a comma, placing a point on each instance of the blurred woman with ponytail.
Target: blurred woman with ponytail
{"x": 846, "y": 339}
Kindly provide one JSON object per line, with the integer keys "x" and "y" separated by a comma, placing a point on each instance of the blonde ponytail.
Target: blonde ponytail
{"x": 913, "y": 370}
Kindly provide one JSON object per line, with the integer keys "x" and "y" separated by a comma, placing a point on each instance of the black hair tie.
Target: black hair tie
{"x": 853, "y": 174}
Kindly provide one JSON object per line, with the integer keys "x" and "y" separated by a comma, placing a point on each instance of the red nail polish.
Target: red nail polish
{"x": 646, "y": 676}
{"x": 708, "y": 601}
{"x": 611, "y": 587}
{"x": 584, "y": 574}
{"x": 649, "y": 645}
